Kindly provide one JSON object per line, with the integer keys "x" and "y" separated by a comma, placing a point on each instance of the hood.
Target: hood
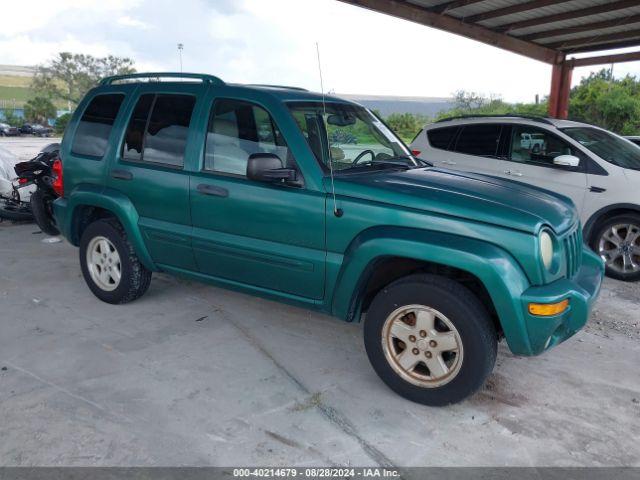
{"x": 476, "y": 197}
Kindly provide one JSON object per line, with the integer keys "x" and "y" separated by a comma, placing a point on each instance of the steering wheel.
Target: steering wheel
{"x": 362, "y": 154}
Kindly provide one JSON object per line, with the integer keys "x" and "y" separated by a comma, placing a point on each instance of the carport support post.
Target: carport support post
{"x": 560, "y": 88}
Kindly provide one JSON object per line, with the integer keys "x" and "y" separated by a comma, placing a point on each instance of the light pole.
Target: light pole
{"x": 180, "y": 48}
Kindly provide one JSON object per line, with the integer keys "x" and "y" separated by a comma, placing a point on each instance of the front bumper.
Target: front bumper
{"x": 582, "y": 292}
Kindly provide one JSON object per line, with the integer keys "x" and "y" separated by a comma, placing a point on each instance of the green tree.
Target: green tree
{"x": 610, "y": 103}
{"x": 472, "y": 103}
{"x": 39, "y": 109}
{"x": 69, "y": 76}
{"x": 405, "y": 125}
{"x": 61, "y": 123}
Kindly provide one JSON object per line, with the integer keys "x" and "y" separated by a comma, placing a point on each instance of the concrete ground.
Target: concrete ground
{"x": 195, "y": 375}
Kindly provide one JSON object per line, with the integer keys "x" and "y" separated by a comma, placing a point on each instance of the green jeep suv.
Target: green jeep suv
{"x": 312, "y": 200}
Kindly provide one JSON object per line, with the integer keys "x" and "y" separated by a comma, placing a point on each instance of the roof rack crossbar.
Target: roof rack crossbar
{"x": 276, "y": 86}
{"x": 204, "y": 78}
{"x": 507, "y": 115}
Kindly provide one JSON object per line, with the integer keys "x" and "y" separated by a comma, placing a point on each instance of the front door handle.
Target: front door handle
{"x": 205, "y": 189}
{"x": 122, "y": 174}
{"x": 512, "y": 173}
{"x": 448, "y": 162}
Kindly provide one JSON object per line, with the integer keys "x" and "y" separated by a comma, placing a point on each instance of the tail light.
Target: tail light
{"x": 22, "y": 181}
{"x": 415, "y": 153}
{"x": 57, "y": 183}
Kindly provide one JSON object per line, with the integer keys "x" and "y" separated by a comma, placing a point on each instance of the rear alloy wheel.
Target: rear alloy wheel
{"x": 617, "y": 241}
{"x": 430, "y": 339}
{"x": 109, "y": 264}
{"x": 103, "y": 263}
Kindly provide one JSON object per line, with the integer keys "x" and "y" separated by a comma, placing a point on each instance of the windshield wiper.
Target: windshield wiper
{"x": 421, "y": 162}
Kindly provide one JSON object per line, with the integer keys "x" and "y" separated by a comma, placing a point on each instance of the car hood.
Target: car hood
{"x": 476, "y": 197}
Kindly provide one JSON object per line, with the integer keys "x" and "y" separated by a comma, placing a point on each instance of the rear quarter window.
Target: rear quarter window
{"x": 92, "y": 135}
{"x": 442, "y": 138}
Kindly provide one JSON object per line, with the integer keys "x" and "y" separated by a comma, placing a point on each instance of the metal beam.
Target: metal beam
{"x": 587, "y": 27}
{"x": 557, "y": 17}
{"x": 600, "y": 47}
{"x": 446, "y": 6}
{"x": 420, "y": 15}
{"x": 511, "y": 9}
{"x": 560, "y": 89}
{"x": 595, "y": 40}
{"x": 606, "y": 59}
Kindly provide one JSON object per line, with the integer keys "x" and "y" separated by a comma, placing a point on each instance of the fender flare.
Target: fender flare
{"x": 587, "y": 230}
{"x": 115, "y": 202}
{"x": 500, "y": 273}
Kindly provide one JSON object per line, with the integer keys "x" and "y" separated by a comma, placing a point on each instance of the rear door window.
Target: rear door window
{"x": 158, "y": 129}
{"x": 92, "y": 135}
{"x": 479, "y": 140}
{"x": 442, "y": 138}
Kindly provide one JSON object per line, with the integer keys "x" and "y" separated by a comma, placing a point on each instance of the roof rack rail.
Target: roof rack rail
{"x": 508, "y": 115}
{"x": 204, "y": 78}
{"x": 276, "y": 86}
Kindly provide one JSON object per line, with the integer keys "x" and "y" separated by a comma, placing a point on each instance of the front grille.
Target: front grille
{"x": 573, "y": 251}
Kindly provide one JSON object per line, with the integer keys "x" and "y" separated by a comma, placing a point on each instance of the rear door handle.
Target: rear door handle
{"x": 205, "y": 189}
{"x": 448, "y": 162}
{"x": 122, "y": 174}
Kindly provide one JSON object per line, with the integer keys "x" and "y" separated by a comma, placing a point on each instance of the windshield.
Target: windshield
{"x": 350, "y": 137}
{"x": 609, "y": 147}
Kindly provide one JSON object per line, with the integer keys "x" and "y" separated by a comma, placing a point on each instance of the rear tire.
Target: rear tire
{"x": 617, "y": 241}
{"x": 450, "y": 348}
{"x": 109, "y": 263}
{"x": 41, "y": 209}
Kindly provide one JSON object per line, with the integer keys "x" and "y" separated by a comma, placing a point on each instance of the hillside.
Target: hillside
{"x": 388, "y": 104}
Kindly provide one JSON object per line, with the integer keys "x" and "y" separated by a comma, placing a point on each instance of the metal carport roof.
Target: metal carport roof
{"x": 544, "y": 30}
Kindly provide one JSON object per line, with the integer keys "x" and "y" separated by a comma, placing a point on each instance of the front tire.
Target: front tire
{"x": 430, "y": 339}
{"x": 109, "y": 264}
{"x": 617, "y": 241}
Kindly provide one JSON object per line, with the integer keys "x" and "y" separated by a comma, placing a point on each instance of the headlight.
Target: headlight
{"x": 546, "y": 249}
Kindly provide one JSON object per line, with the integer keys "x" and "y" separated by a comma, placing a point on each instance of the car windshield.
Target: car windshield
{"x": 349, "y": 138}
{"x": 606, "y": 145}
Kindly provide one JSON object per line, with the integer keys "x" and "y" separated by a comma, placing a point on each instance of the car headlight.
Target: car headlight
{"x": 546, "y": 249}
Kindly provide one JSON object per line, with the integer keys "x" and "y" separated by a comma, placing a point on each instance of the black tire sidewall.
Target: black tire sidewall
{"x": 601, "y": 229}
{"x": 106, "y": 229}
{"x": 41, "y": 215}
{"x": 470, "y": 318}
{"x": 21, "y": 215}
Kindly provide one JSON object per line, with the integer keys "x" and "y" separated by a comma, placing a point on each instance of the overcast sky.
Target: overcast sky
{"x": 273, "y": 41}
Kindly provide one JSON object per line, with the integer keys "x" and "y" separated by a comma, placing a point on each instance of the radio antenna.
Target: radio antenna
{"x": 336, "y": 211}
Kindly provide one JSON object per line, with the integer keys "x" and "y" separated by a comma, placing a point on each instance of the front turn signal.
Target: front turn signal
{"x": 548, "y": 309}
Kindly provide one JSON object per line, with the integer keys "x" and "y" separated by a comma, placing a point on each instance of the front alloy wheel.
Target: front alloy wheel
{"x": 430, "y": 339}
{"x": 422, "y": 345}
{"x": 618, "y": 244}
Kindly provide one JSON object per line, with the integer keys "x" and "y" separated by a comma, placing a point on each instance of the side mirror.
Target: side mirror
{"x": 567, "y": 161}
{"x": 267, "y": 167}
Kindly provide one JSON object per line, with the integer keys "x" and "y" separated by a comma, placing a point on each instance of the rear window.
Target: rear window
{"x": 94, "y": 128}
{"x": 158, "y": 129}
{"x": 480, "y": 140}
{"x": 442, "y": 138}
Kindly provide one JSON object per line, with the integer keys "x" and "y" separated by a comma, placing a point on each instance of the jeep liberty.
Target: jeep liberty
{"x": 311, "y": 200}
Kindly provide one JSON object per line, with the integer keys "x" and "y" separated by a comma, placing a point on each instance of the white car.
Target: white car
{"x": 634, "y": 138}
{"x": 598, "y": 170}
